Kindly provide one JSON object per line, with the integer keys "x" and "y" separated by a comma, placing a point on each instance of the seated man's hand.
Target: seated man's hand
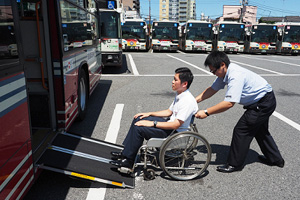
{"x": 141, "y": 115}
{"x": 146, "y": 123}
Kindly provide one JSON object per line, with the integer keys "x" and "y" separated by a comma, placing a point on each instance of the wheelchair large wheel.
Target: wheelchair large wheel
{"x": 185, "y": 155}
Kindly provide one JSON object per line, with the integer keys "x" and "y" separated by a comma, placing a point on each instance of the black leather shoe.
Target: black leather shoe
{"x": 122, "y": 163}
{"x": 264, "y": 160}
{"x": 228, "y": 168}
{"x": 117, "y": 155}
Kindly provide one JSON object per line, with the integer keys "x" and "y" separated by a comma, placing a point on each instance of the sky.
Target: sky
{"x": 214, "y": 8}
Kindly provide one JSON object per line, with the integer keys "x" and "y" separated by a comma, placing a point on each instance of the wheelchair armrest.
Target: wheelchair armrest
{"x": 155, "y": 142}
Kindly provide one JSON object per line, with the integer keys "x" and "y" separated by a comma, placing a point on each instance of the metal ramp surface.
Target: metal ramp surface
{"x": 85, "y": 158}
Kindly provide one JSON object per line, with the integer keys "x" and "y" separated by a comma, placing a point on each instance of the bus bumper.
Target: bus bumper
{"x": 112, "y": 59}
{"x": 257, "y": 50}
{"x": 156, "y": 47}
{"x": 139, "y": 47}
{"x": 286, "y": 50}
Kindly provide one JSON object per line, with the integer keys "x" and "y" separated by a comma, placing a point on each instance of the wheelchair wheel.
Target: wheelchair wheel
{"x": 185, "y": 155}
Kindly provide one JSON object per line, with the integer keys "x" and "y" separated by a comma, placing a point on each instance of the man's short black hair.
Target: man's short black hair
{"x": 215, "y": 58}
{"x": 185, "y": 74}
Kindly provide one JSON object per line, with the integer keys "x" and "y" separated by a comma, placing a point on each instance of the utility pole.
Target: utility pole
{"x": 149, "y": 12}
{"x": 243, "y": 2}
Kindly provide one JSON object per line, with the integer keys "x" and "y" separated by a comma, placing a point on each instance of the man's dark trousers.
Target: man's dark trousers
{"x": 136, "y": 135}
{"x": 254, "y": 123}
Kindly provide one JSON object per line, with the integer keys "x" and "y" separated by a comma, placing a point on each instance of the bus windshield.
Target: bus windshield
{"x": 165, "y": 31}
{"x": 292, "y": 34}
{"x": 231, "y": 32}
{"x": 109, "y": 25}
{"x": 264, "y": 34}
{"x": 133, "y": 30}
{"x": 199, "y": 32}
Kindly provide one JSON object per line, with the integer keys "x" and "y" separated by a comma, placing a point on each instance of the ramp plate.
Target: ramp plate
{"x": 85, "y": 156}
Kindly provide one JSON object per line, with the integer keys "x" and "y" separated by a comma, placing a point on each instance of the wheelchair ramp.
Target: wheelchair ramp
{"x": 85, "y": 158}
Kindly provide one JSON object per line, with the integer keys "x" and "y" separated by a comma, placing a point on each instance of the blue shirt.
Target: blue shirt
{"x": 243, "y": 86}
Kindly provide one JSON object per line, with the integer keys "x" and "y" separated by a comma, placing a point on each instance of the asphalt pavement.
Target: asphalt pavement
{"x": 144, "y": 84}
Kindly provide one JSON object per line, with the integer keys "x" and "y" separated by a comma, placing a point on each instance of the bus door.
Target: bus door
{"x": 85, "y": 158}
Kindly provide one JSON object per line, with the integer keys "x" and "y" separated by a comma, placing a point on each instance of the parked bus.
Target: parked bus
{"x": 261, "y": 38}
{"x": 196, "y": 36}
{"x": 111, "y": 37}
{"x": 135, "y": 35}
{"x": 8, "y": 46}
{"x": 229, "y": 37}
{"x": 165, "y": 36}
{"x": 290, "y": 39}
{"x": 43, "y": 89}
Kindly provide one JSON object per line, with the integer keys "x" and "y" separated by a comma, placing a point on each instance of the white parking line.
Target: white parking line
{"x": 134, "y": 69}
{"x": 258, "y": 67}
{"x": 111, "y": 136}
{"x": 286, "y": 63}
{"x": 286, "y": 120}
{"x": 190, "y": 64}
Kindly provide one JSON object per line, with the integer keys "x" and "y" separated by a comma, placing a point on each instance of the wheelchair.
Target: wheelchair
{"x": 182, "y": 155}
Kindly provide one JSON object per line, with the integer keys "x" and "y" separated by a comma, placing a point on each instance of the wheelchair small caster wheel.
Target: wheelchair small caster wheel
{"x": 149, "y": 174}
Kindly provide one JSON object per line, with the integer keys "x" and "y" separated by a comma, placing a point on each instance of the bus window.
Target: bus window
{"x": 8, "y": 44}
{"x": 79, "y": 29}
{"x": 109, "y": 25}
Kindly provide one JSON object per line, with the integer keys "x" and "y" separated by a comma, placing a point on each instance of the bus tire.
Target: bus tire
{"x": 82, "y": 95}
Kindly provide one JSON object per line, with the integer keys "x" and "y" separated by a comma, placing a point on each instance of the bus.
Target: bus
{"x": 135, "y": 35}
{"x": 111, "y": 37}
{"x": 229, "y": 37}
{"x": 44, "y": 87}
{"x": 165, "y": 35}
{"x": 262, "y": 38}
{"x": 291, "y": 39}
{"x": 196, "y": 36}
{"x": 8, "y": 46}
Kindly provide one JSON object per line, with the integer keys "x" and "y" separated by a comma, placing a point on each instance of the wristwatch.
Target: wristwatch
{"x": 206, "y": 112}
{"x": 155, "y": 123}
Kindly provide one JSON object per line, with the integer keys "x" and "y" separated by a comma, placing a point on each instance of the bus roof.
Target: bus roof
{"x": 134, "y": 20}
{"x": 198, "y": 21}
{"x": 228, "y": 22}
{"x": 166, "y": 21}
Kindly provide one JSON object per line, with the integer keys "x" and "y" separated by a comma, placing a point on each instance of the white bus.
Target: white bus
{"x": 261, "y": 38}
{"x": 196, "y": 36}
{"x": 165, "y": 36}
{"x": 229, "y": 37}
{"x": 111, "y": 37}
{"x": 290, "y": 39}
{"x": 135, "y": 35}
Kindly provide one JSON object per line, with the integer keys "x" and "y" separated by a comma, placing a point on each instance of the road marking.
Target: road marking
{"x": 258, "y": 68}
{"x": 272, "y": 60}
{"x": 190, "y": 64}
{"x": 134, "y": 69}
{"x": 286, "y": 120}
{"x": 111, "y": 136}
{"x": 203, "y": 75}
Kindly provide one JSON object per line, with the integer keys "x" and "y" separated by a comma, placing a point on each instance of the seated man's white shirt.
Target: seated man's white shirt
{"x": 183, "y": 107}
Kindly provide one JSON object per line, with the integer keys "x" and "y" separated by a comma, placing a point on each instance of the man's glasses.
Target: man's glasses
{"x": 213, "y": 71}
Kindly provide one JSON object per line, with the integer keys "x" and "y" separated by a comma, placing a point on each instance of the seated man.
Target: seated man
{"x": 154, "y": 125}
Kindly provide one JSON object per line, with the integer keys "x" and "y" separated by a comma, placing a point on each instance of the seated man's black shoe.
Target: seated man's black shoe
{"x": 117, "y": 155}
{"x": 228, "y": 168}
{"x": 264, "y": 160}
{"x": 122, "y": 163}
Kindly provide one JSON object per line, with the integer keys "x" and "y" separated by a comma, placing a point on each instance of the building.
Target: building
{"x": 246, "y": 14}
{"x": 178, "y": 10}
{"x": 131, "y": 9}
